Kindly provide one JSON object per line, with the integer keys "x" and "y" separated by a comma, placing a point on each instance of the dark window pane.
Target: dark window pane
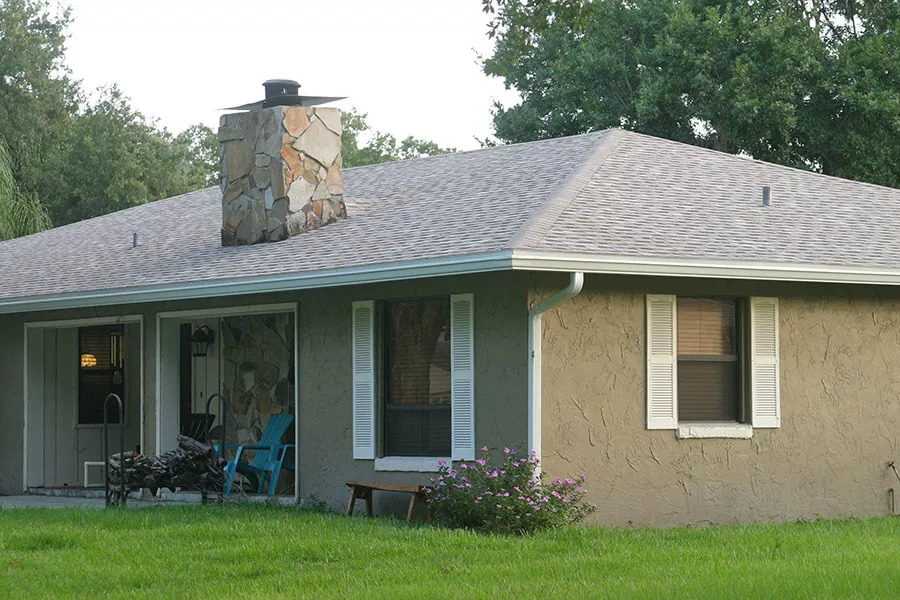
{"x": 708, "y": 371}
{"x": 417, "y": 394}
{"x": 707, "y": 390}
{"x": 101, "y": 371}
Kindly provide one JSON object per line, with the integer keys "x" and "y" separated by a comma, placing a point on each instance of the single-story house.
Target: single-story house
{"x": 707, "y": 337}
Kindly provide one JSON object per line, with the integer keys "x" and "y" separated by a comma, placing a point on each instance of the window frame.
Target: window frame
{"x": 400, "y": 462}
{"x": 110, "y": 371}
{"x": 761, "y": 366}
{"x": 741, "y": 361}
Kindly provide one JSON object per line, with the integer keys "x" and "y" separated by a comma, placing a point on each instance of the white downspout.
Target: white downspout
{"x": 534, "y": 357}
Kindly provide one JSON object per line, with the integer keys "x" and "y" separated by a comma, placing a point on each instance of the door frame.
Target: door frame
{"x": 235, "y": 311}
{"x": 30, "y": 326}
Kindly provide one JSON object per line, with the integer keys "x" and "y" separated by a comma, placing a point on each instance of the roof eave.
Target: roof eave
{"x": 521, "y": 260}
{"x": 536, "y": 260}
{"x": 394, "y": 271}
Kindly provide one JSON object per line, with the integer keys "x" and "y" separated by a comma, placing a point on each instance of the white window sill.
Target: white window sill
{"x": 693, "y": 431}
{"x": 421, "y": 464}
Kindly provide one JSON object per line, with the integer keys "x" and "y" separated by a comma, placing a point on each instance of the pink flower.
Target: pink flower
{"x": 506, "y": 451}
{"x": 442, "y": 463}
{"x": 484, "y": 448}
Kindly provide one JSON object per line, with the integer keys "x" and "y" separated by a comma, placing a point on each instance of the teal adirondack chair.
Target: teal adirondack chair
{"x": 270, "y": 453}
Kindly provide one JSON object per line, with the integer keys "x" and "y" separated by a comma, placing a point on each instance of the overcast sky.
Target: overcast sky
{"x": 411, "y": 64}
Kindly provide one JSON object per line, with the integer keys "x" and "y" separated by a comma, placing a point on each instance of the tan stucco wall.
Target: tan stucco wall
{"x": 325, "y": 382}
{"x": 840, "y": 403}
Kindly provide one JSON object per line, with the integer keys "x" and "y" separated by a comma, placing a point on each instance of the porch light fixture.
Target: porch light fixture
{"x": 201, "y": 340}
{"x": 88, "y": 360}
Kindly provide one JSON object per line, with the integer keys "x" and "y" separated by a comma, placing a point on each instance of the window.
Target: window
{"x": 712, "y": 361}
{"x": 419, "y": 404}
{"x": 101, "y": 371}
{"x": 708, "y": 367}
{"x": 416, "y": 392}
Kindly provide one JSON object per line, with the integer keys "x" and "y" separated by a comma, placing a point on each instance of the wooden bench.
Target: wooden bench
{"x": 362, "y": 490}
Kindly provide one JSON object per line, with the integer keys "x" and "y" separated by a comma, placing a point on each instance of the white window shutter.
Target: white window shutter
{"x": 364, "y": 380}
{"x": 462, "y": 365}
{"x": 764, "y": 385}
{"x": 662, "y": 363}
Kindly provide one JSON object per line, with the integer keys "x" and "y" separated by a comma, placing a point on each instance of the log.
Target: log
{"x": 193, "y": 465}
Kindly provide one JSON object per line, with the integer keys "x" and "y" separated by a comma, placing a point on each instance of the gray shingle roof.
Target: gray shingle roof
{"x": 610, "y": 192}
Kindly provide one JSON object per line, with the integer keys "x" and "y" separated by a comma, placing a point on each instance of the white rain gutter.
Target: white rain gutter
{"x": 576, "y": 282}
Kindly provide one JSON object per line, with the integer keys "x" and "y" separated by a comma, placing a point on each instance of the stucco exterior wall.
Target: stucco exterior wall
{"x": 840, "y": 403}
{"x": 11, "y": 406}
{"x": 325, "y": 382}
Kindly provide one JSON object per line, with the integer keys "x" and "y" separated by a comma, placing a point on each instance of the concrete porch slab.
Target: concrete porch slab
{"x": 31, "y": 501}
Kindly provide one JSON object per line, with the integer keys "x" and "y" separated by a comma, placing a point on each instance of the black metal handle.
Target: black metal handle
{"x": 105, "y": 446}
{"x": 206, "y": 431}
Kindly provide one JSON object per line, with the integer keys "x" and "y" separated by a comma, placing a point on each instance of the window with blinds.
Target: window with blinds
{"x": 417, "y": 409}
{"x": 708, "y": 363}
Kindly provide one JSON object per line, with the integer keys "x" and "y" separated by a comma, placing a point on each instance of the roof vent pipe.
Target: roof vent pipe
{"x": 767, "y": 196}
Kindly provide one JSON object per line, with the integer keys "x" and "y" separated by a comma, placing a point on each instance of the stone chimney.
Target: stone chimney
{"x": 281, "y": 167}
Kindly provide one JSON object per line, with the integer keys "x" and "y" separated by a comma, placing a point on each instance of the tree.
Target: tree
{"x": 805, "y": 83}
{"x": 117, "y": 158}
{"x": 37, "y": 96}
{"x": 77, "y": 157}
{"x": 362, "y": 146}
{"x": 20, "y": 213}
{"x": 198, "y": 154}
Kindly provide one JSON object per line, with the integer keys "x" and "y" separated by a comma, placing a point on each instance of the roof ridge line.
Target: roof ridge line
{"x": 536, "y": 226}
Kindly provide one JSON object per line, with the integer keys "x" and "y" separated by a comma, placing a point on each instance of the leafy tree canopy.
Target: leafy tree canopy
{"x": 20, "y": 213}
{"x": 72, "y": 156}
{"x": 361, "y": 145}
{"x": 806, "y": 83}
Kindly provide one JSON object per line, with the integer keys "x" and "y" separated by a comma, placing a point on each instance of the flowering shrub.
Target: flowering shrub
{"x": 509, "y": 497}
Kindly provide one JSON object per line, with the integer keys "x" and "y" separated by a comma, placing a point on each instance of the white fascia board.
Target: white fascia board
{"x": 527, "y": 260}
{"x": 417, "y": 269}
{"x": 687, "y": 267}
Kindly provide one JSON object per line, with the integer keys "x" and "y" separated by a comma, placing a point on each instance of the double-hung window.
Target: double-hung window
{"x": 416, "y": 393}
{"x": 712, "y": 365}
{"x": 413, "y": 379}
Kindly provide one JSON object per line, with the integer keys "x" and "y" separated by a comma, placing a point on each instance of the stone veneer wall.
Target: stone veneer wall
{"x": 258, "y": 373}
{"x": 281, "y": 172}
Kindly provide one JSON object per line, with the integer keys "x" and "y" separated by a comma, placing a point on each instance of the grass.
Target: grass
{"x": 279, "y": 552}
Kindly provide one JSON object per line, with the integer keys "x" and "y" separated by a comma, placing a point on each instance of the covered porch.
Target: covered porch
{"x": 240, "y": 363}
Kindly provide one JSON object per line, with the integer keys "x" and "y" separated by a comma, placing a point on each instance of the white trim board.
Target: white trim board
{"x": 419, "y": 464}
{"x": 505, "y": 260}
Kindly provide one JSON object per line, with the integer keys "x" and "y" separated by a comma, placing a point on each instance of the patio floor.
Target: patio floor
{"x": 32, "y": 501}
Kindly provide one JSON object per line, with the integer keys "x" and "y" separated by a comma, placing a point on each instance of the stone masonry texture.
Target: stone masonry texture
{"x": 281, "y": 172}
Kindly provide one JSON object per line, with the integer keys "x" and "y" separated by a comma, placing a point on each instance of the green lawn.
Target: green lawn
{"x": 278, "y": 552}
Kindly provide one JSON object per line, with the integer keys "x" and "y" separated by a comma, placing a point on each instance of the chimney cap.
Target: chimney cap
{"x": 281, "y": 87}
{"x": 284, "y": 92}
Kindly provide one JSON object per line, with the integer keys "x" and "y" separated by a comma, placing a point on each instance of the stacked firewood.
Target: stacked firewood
{"x": 193, "y": 466}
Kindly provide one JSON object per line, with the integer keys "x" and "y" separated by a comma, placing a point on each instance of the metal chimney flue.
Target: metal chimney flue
{"x": 281, "y": 87}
